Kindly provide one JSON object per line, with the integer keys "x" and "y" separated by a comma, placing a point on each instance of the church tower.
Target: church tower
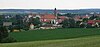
{"x": 55, "y": 13}
{"x": 56, "y": 17}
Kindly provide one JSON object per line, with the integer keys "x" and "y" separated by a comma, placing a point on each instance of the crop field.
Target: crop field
{"x": 69, "y": 37}
{"x": 54, "y": 34}
{"x": 90, "y": 41}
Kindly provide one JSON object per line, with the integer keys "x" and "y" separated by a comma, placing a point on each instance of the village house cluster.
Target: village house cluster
{"x": 33, "y": 21}
{"x": 49, "y": 21}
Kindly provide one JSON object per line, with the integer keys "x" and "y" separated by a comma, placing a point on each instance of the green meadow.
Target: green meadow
{"x": 52, "y": 34}
{"x": 90, "y": 41}
{"x": 68, "y": 37}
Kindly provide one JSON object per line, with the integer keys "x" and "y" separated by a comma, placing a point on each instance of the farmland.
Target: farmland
{"x": 69, "y": 37}
{"x": 90, "y": 41}
{"x": 52, "y": 34}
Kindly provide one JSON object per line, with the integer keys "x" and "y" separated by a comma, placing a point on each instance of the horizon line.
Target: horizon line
{"x": 49, "y": 8}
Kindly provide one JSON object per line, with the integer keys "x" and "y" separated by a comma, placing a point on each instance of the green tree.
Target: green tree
{"x": 68, "y": 15}
{"x": 98, "y": 18}
{"x": 85, "y": 20}
{"x": 69, "y": 23}
{"x": 35, "y": 21}
{"x": 65, "y": 23}
{"x": 77, "y": 24}
{"x": 93, "y": 17}
{"x": 3, "y": 33}
{"x": 4, "y": 36}
{"x": 72, "y": 23}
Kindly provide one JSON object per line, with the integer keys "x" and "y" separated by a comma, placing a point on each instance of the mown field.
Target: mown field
{"x": 54, "y": 34}
{"x": 90, "y": 41}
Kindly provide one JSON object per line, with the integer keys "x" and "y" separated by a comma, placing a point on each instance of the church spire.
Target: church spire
{"x": 55, "y": 12}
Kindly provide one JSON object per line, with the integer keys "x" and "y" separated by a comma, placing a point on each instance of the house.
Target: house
{"x": 94, "y": 22}
{"x": 7, "y": 23}
{"x": 85, "y": 16}
{"x": 48, "y": 26}
{"x": 77, "y": 18}
{"x": 47, "y": 18}
{"x": 61, "y": 18}
{"x": 31, "y": 26}
{"x": 52, "y": 18}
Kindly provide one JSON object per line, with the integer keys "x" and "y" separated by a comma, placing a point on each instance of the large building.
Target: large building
{"x": 49, "y": 18}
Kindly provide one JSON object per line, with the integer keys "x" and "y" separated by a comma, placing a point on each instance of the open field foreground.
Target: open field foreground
{"x": 53, "y": 34}
{"x": 89, "y": 41}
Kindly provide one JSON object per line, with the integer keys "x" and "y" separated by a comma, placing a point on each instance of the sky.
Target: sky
{"x": 49, "y": 4}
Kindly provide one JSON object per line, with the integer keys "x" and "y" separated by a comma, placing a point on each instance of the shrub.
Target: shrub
{"x": 3, "y": 33}
{"x": 8, "y": 40}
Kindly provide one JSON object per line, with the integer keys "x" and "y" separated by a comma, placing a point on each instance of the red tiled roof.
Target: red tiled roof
{"x": 84, "y": 16}
{"x": 59, "y": 21}
{"x": 48, "y": 16}
{"x": 93, "y": 21}
{"x": 97, "y": 20}
{"x": 61, "y": 17}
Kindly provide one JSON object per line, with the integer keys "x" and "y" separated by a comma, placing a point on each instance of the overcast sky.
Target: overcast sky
{"x": 49, "y": 4}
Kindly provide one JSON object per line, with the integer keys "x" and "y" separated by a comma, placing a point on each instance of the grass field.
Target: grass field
{"x": 89, "y": 41}
{"x": 54, "y": 34}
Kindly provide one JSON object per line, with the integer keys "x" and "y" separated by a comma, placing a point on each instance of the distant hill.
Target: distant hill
{"x": 49, "y": 10}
